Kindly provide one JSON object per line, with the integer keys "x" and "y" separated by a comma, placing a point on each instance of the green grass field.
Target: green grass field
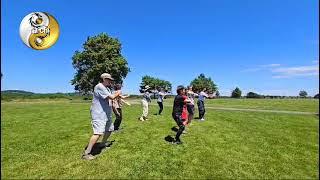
{"x": 45, "y": 139}
{"x": 302, "y": 105}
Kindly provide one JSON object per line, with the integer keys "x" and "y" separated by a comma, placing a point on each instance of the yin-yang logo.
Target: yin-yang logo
{"x": 39, "y": 30}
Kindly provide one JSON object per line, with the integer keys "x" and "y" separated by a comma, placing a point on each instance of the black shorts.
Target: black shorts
{"x": 190, "y": 108}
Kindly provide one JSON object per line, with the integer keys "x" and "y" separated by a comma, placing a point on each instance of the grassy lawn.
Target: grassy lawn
{"x": 45, "y": 140}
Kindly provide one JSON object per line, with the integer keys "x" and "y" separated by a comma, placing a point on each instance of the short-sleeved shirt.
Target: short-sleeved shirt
{"x": 100, "y": 107}
{"x": 160, "y": 96}
{"x": 146, "y": 96}
{"x": 202, "y": 96}
{"x": 178, "y": 105}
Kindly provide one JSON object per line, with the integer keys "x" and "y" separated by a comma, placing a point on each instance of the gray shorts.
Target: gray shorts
{"x": 101, "y": 125}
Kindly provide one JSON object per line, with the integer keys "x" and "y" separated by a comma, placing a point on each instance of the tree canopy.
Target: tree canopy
{"x": 100, "y": 54}
{"x": 253, "y": 95}
{"x": 201, "y": 82}
{"x": 155, "y": 83}
{"x": 236, "y": 93}
{"x": 303, "y": 94}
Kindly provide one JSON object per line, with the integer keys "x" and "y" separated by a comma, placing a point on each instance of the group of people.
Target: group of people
{"x": 183, "y": 106}
{"x": 108, "y": 98}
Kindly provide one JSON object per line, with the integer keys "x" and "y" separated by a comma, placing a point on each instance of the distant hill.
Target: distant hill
{"x": 8, "y": 95}
{"x": 17, "y": 92}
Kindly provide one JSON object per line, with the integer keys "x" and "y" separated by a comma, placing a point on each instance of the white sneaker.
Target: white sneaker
{"x": 202, "y": 119}
{"x": 141, "y": 119}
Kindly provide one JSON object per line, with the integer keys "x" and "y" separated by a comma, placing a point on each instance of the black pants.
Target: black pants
{"x": 161, "y": 107}
{"x": 118, "y": 120}
{"x": 179, "y": 122}
{"x": 201, "y": 109}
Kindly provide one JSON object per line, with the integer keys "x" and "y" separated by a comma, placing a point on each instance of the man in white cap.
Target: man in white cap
{"x": 101, "y": 113}
{"x": 146, "y": 99}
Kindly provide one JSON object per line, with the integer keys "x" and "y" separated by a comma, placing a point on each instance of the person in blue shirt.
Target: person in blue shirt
{"x": 101, "y": 114}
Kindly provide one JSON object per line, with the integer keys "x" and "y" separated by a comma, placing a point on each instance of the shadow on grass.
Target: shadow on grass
{"x": 169, "y": 139}
{"x": 175, "y": 129}
{"x": 98, "y": 147}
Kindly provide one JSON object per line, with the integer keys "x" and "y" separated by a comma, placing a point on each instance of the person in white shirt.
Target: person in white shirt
{"x": 101, "y": 113}
{"x": 146, "y": 99}
{"x": 190, "y": 106}
{"x": 202, "y": 96}
{"x": 161, "y": 95}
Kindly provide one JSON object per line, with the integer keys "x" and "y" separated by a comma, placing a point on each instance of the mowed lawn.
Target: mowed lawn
{"x": 301, "y": 105}
{"x": 45, "y": 140}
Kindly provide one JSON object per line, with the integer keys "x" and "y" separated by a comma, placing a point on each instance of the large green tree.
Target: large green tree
{"x": 155, "y": 83}
{"x": 100, "y": 54}
{"x": 202, "y": 82}
{"x": 236, "y": 93}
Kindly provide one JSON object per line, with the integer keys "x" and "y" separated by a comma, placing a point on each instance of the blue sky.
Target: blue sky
{"x": 266, "y": 46}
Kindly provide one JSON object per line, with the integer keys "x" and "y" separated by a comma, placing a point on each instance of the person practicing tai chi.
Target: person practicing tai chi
{"x": 161, "y": 95}
{"x": 117, "y": 104}
{"x": 177, "y": 113}
{"x": 190, "y": 106}
{"x": 200, "y": 103}
{"x": 146, "y": 99}
{"x": 101, "y": 114}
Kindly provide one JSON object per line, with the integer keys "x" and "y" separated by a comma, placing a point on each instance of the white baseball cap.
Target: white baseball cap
{"x": 106, "y": 76}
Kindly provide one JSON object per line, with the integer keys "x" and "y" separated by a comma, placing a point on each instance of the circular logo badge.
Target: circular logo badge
{"x": 39, "y": 30}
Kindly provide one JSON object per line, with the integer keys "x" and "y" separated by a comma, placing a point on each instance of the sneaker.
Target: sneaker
{"x": 118, "y": 130}
{"x": 202, "y": 119}
{"x": 177, "y": 142}
{"x": 88, "y": 157}
{"x": 105, "y": 145}
{"x": 141, "y": 119}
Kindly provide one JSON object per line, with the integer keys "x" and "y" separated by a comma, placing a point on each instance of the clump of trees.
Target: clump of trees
{"x": 236, "y": 93}
{"x": 155, "y": 83}
{"x": 100, "y": 54}
{"x": 303, "y": 94}
{"x": 254, "y": 95}
{"x": 201, "y": 82}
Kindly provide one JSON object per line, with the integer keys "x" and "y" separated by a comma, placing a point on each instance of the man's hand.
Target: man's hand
{"x": 115, "y": 95}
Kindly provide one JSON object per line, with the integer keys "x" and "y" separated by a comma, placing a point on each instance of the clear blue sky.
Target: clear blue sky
{"x": 266, "y": 46}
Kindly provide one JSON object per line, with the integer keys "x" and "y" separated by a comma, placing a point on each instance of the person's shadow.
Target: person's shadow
{"x": 98, "y": 147}
{"x": 175, "y": 129}
{"x": 169, "y": 139}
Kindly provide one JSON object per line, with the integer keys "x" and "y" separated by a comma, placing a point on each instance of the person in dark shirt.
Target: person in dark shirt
{"x": 179, "y": 102}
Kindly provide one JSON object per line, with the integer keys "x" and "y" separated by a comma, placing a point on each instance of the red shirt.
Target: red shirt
{"x": 184, "y": 114}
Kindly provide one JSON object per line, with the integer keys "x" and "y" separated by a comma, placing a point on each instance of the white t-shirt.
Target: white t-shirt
{"x": 160, "y": 96}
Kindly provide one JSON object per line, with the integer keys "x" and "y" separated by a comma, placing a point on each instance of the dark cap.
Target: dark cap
{"x": 180, "y": 87}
